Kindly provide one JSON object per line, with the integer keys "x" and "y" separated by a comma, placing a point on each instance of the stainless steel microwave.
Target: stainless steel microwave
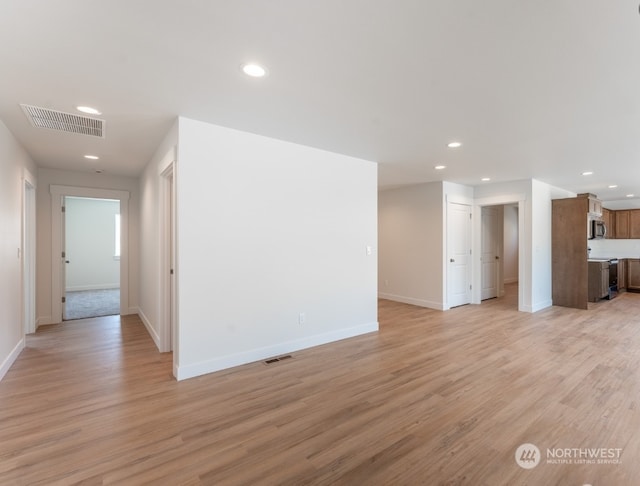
{"x": 598, "y": 230}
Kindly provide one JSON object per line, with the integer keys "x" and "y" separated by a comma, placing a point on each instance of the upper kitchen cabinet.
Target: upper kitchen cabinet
{"x": 622, "y": 223}
{"x": 627, "y": 223}
{"x": 609, "y": 220}
{"x": 595, "y": 205}
{"x": 634, "y": 224}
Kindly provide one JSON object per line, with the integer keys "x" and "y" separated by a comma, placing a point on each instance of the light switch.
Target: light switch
{"x": 369, "y": 250}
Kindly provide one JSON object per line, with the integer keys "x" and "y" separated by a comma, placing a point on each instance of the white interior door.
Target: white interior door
{"x": 458, "y": 254}
{"x": 490, "y": 257}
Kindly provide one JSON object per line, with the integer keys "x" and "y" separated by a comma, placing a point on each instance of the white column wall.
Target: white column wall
{"x": 13, "y": 163}
{"x": 273, "y": 242}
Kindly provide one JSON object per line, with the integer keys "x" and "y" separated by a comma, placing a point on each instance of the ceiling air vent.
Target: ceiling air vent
{"x": 64, "y": 122}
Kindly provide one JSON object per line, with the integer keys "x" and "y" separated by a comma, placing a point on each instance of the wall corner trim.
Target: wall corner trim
{"x": 412, "y": 301}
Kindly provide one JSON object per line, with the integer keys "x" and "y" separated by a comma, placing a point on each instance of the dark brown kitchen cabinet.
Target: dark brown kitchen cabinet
{"x": 609, "y": 220}
{"x": 633, "y": 274}
{"x": 598, "y": 280}
{"x": 622, "y": 274}
{"x": 622, "y": 224}
{"x": 634, "y": 223}
{"x": 569, "y": 275}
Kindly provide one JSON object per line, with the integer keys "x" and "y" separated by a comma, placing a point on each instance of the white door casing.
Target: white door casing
{"x": 29, "y": 254}
{"x": 168, "y": 267}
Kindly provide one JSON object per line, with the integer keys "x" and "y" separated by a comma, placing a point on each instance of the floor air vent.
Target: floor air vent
{"x": 275, "y": 360}
{"x": 64, "y": 122}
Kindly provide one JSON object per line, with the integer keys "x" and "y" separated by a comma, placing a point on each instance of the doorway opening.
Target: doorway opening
{"x": 499, "y": 259}
{"x": 91, "y": 272}
{"x": 58, "y": 255}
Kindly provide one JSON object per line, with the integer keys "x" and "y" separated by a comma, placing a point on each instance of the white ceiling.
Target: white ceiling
{"x": 538, "y": 89}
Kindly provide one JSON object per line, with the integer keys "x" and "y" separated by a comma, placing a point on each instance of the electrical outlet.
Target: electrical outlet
{"x": 302, "y": 317}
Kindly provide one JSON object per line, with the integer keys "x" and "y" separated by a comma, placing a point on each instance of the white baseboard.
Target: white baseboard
{"x": 196, "y": 369}
{"x": 9, "y": 360}
{"x": 537, "y": 307}
{"x": 130, "y": 311}
{"x": 152, "y": 332}
{"x": 44, "y": 321}
{"x": 108, "y": 286}
{"x": 410, "y": 300}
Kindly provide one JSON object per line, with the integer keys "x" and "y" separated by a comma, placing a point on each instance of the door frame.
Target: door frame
{"x": 168, "y": 315}
{"x": 520, "y": 199}
{"x": 29, "y": 253}
{"x": 58, "y": 194}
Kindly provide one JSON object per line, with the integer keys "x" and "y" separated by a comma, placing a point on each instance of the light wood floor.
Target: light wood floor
{"x": 433, "y": 398}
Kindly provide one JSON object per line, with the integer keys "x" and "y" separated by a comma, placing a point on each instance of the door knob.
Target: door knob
{"x": 451, "y": 260}
{"x": 66, "y": 261}
{"x": 497, "y": 258}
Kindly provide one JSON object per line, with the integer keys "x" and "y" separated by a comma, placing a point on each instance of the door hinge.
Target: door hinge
{"x": 64, "y": 300}
{"x": 64, "y": 254}
{"x": 470, "y": 286}
{"x": 171, "y": 272}
{"x": 64, "y": 209}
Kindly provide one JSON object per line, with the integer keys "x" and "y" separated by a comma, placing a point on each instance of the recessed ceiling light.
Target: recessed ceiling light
{"x": 613, "y": 186}
{"x": 485, "y": 179}
{"x": 254, "y": 70}
{"x": 454, "y": 144}
{"x": 587, "y": 173}
{"x": 630, "y": 195}
{"x": 88, "y": 110}
{"x": 91, "y": 157}
{"x": 440, "y": 167}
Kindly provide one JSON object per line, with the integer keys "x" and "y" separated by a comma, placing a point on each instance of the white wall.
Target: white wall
{"x": 510, "y": 243}
{"x": 541, "y": 245}
{"x": 411, "y": 246}
{"x": 519, "y": 192}
{"x": 90, "y": 244}
{"x": 534, "y": 234}
{"x": 150, "y": 298}
{"x": 412, "y": 238}
{"x": 268, "y": 230}
{"x": 614, "y": 248}
{"x": 47, "y": 177}
{"x": 13, "y": 162}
